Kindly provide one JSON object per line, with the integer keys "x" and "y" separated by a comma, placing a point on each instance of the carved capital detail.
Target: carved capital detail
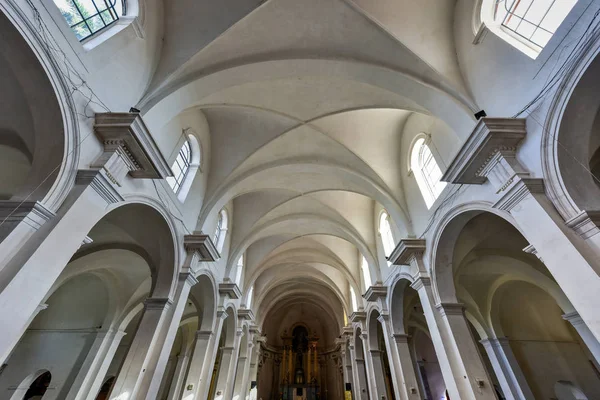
{"x": 202, "y": 245}
{"x": 230, "y": 289}
{"x": 490, "y": 153}
{"x": 128, "y": 148}
{"x": 407, "y": 251}
{"x": 376, "y": 292}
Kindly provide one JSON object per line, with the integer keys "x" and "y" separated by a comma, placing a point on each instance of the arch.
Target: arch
{"x": 396, "y": 302}
{"x": 205, "y": 297}
{"x": 425, "y": 169}
{"x": 444, "y": 233}
{"x": 230, "y": 328}
{"x": 515, "y": 22}
{"x": 26, "y": 384}
{"x": 54, "y": 144}
{"x": 566, "y": 135}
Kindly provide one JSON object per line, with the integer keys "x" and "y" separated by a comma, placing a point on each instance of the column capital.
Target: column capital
{"x": 573, "y": 317}
{"x": 421, "y": 282}
{"x": 375, "y": 292}
{"x": 157, "y": 303}
{"x": 32, "y": 213}
{"x": 450, "y": 308}
{"x": 357, "y": 316}
{"x": 246, "y": 314}
{"x": 188, "y": 278}
{"x": 205, "y": 335}
{"x": 408, "y": 251}
{"x": 494, "y": 342}
{"x": 492, "y": 144}
{"x": 222, "y": 314}
{"x": 201, "y": 244}
{"x": 401, "y": 337}
{"x": 127, "y": 135}
{"x": 230, "y": 289}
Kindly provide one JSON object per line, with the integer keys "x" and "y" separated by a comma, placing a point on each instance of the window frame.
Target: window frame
{"x": 221, "y": 230}
{"x": 387, "y": 239}
{"x": 366, "y": 273}
{"x": 110, "y": 6}
{"x": 181, "y": 159}
{"x": 430, "y": 189}
{"x": 353, "y": 299}
{"x": 485, "y": 19}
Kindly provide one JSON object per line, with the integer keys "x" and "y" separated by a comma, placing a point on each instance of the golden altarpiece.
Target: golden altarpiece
{"x": 299, "y": 368}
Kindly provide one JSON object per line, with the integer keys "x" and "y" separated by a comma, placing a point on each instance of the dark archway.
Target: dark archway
{"x": 38, "y": 388}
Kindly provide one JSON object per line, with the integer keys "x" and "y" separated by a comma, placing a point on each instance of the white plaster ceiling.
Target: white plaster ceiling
{"x": 307, "y": 103}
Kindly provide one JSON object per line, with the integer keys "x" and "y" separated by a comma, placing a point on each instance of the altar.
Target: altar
{"x": 300, "y": 366}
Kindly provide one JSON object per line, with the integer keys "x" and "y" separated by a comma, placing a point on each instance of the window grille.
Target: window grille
{"x": 535, "y": 21}
{"x": 180, "y": 167}
{"x": 86, "y": 17}
{"x": 427, "y": 172}
{"x": 387, "y": 239}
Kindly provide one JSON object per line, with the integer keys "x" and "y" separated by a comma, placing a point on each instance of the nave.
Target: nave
{"x": 299, "y": 200}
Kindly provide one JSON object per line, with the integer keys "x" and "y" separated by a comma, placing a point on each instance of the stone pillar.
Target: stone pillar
{"x": 507, "y": 369}
{"x": 308, "y": 363}
{"x": 203, "y": 361}
{"x": 374, "y": 369}
{"x": 183, "y": 361}
{"x": 93, "y": 370}
{"x": 45, "y": 252}
{"x": 586, "y": 335}
{"x": 242, "y": 385}
{"x": 129, "y": 381}
{"x": 360, "y": 388}
{"x": 406, "y": 374}
{"x": 490, "y": 154}
{"x": 226, "y": 378}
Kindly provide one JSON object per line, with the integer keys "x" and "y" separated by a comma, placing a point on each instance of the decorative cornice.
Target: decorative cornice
{"x": 406, "y": 250}
{"x": 202, "y": 245}
{"x": 127, "y": 134}
{"x": 489, "y": 137}
{"x": 32, "y": 213}
{"x": 357, "y": 316}
{"x": 450, "y": 308}
{"x": 401, "y": 337}
{"x": 375, "y": 292}
{"x": 100, "y": 183}
{"x": 157, "y": 303}
{"x": 204, "y": 335}
{"x": 230, "y": 289}
{"x": 586, "y": 224}
{"x": 518, "y": 192}
{"x": 421, "y": 282}
{"x": 246, "y": 313}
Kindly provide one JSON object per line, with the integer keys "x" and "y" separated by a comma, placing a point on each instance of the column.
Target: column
{"x": 242, "y": 386}
{"x": 509, "y": 373}
{"x": 284, "y": 365}
{"x": 203, "y": 361}
{"x": 464, "y": 374}
{"x": 316, "y": 363}
{"x": 129, "y": 380}
{"x": 225, "y": 381}
{"x": 93, "y": 370}
{"x": 308, "y": 363}
{"x": 374, "y": 369}
{"x": 405, "y": 373}
{"x": 39, "y": 260}
{"x": 183, "y": 361}
{"x": 586, "y": 335}
{"x": 360, "y": 388}
{"x": 490, "y": 154}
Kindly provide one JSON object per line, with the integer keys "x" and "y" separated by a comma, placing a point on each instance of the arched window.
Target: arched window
{"x": 353, "y": 300}
{"x": 86, "y": 17}
{"x": 426, "y": 171}
{"x": 180, "y": 167}
{"x": 38, "y": 387}
{"x": 526, "y": 24}
{"x": 385, "y": 230}
{"x": 239, "y": 269}
{"x": 250, "y": 295}
{"x": 221, "y": 230}
{"x": 364, "y": 266}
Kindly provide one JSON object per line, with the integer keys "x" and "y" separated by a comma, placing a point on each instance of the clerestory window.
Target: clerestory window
{"x": 426, "y": 171}
{"x": 527, "y": 24}
{"x": 364, "y": 266}
{"x": 353, "y": 300}
{"x": 221, "y": 230}
{"x": 180, "y": 167}
{"x": 86, "y": 17}
{"x": 385, "y": 231}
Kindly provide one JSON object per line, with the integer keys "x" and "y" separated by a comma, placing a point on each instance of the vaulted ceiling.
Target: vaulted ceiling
{"x": 307, "y": 103}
